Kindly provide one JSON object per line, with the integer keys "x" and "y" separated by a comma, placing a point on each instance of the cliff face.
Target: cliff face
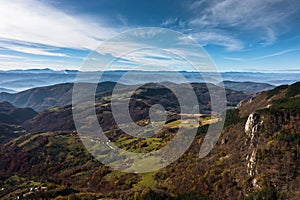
{"x": 273, "y": 151}
{"x": 273, "y": 136}
{"x": 252, "y": 128}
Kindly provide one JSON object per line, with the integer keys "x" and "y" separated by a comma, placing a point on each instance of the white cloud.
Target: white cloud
{"x": 234, "y": 58}
{"x": 218, "y": 38}
{"x": 262, "y": 57}
{"x": 169, "y": 21}
{"x": 140, "y": 56}
{"x": 247, "y": 13}
{"x": 4, "y": 56}
{"x": 265, "y": 19}
{"x": 31, "y": 50}
{"x": 275, "y": 54}
{"x": 35, "y": 22}
{"x": 8, "y": 63}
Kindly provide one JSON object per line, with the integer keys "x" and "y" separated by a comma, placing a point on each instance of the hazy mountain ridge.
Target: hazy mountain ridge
{"x": 251, "y": 87}
{"x": 42, "y": 98}
{"x": 19, "y": 80}
{"x": 6, "y": 90}
{"x": 38, "y": 71}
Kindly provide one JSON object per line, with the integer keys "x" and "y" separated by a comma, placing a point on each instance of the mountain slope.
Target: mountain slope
{"x": 10, "y": 120}
{"x": 250, "y": 87}
{"x": 12, "y": 115}
{"x": 42, "y": 98}
{"x": 60, "y": 118}
{"x": 257, "y": 157}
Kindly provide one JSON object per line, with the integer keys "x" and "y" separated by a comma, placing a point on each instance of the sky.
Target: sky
{"x": 248, "y": 35}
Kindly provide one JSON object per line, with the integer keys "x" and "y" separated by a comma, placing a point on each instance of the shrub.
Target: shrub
{"x": 265, "y": 194}
{"x": 293, "y": 90}
{"x": 288, "y": 137}
{"x": 192, "y": 196}
{"x": 233, "y": 117}
{"x": 276, "y": 90}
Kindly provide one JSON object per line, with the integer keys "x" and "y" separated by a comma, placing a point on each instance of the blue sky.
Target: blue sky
{"x": 248, "y": 35}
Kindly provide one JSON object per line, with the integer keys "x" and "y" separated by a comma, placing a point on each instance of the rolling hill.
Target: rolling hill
{"x": 11, "y": 119}
{"x": 42, "y": 98}
{"x": 12, "y": 115}
{"x": 60, "y": 118}
{"x": 250, "y": 87}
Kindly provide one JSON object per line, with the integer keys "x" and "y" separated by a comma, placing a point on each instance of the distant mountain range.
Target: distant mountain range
{"x": 19, "y": 80}
{"x": 39, "y": 71}
{"x": 6, "y": 90}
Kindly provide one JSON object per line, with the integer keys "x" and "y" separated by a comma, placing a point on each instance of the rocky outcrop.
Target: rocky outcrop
{"x": 246, "y": 101}
{"x": 251, "y": 166}
{"x": 252, "y": 128}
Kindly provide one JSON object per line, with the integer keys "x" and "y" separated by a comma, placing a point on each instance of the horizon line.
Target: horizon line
{"x": 126, "y": 70}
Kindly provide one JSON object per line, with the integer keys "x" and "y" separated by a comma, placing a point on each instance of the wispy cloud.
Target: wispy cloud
{"x": 144, "y": 48}
{"x": 275, "y": 54}
{"x": 146, "y": 57}
{"x": 8, "y": 62}
{"x": 218, "y": 38}
{"x": 262, "y": 57}
{"x": 175, "y": 23}
{"x": 37, "y": 28}
{"x": 169, "y": 21}
{"x": 234, "y": 58}
{"x": 32, "y": 49}
{"x": 123, "y": 20}
{"x": 4, "y": 56}
{"x": 36, "y": 22}
{"x": 265, "y": 19}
